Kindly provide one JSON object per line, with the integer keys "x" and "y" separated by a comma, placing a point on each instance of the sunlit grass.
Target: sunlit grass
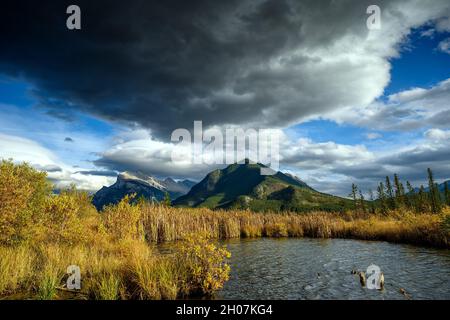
{"x": 163, "y": 224}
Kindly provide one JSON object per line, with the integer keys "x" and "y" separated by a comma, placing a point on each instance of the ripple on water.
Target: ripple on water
{"x": 289, "y": 268}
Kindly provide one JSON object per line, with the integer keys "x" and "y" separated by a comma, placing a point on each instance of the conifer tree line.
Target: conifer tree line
{"x": 392, "y": 195}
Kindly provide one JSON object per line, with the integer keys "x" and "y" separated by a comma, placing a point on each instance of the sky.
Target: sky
{"x": 350, "y": 105}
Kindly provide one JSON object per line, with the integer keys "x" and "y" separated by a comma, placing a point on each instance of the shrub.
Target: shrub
{"x": 123, "y": 220}
{"x": 205, "y": 263}
{"x": 276, "y": 230}
{"x": 62, "y": 221}
{"x": 23, "y": 191}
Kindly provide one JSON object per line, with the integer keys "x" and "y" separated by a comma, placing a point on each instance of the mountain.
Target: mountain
{"x": 181, "y": 187}
{"x": 441, "y": 187}
{"x": 241, "y": 186}
{"x": 143, "y": 185}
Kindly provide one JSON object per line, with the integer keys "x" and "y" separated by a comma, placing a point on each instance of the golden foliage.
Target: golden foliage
{"x": 23, "y": 191}
{"x": 205, "y": 262}
{"x": 123, "y": 220}
{"x": 163, "y": 224}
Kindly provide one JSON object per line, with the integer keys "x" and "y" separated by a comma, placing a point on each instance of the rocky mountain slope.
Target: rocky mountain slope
{"x": 241, "y": 186}
{"x": 143, "y": 185}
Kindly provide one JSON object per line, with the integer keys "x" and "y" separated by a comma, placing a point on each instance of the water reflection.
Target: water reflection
{"x": 320, "y": 269}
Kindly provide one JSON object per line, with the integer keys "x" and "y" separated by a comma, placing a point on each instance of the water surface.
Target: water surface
{"x": 321, "y": 269}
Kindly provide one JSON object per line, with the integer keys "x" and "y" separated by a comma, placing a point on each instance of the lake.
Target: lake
{"x": 321, "y": 269}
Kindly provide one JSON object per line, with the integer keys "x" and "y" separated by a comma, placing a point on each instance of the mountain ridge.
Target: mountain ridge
{"x": 143, "y": 185}
{"x": 441, "y": 187}
{"x": 241, "y": 186}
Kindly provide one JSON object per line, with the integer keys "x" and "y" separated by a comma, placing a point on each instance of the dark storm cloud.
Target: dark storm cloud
{"x": 164, "y": 64}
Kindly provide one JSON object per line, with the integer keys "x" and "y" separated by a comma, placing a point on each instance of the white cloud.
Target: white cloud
{"x": 444, "y": 45}
{"x": 51, "y": 133}
{"x": 443, "y": 24}
{"x": 373, "y": 135}
{"x": 407, "y": 110}
{"x": 438, "y": 134}
{"x": 25, "y": 150}
{"x": 304, "y": 153}
{"x": 326, "y": 166}
{"x": 139, "y": 151}
{"x": 408, "y": 95}
{"x": 429, "y": 33}
{"x": 314, "y": 161}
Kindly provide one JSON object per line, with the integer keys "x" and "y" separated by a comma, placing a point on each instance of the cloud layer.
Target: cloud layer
{"x": 327, "y": 166}
{"x": 63, "y": 175}
{"x": 158, "y": 66}
{"x": 407, "y": 110}
{"x": 163, "y": 65}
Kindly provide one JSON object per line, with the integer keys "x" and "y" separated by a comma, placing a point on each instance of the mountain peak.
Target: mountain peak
{"x": 229, "y": 187}
{"x": 140, "y": 177}
{"x": 143, "y": 185}
{"x": 169, "y": 180}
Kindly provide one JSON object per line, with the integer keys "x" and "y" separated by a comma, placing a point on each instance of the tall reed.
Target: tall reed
{"x": 162, "y": 224}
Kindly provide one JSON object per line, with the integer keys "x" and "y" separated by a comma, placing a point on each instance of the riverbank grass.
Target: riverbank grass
{"x": 162, "y": 224}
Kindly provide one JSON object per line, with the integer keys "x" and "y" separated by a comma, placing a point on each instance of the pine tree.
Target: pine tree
{"x": 399, "y": 192}
{"x": 446, "y": 193}
{"x": 382, "y": 198}
{"x": 422, "y": 200}
{"x": 372, "y": 202}
{"x": 411, "y": 197}
{"x": 390, "y": 194}
{"x": 437, "y": 195}
{"x": 362, "y": 201}
{"x": 433, "y": 194}
{"x": 142, "y": 200}
{"x": 353, "y": 195}
{"x": 167, "y": 202}
{"x": 402, "y": 193}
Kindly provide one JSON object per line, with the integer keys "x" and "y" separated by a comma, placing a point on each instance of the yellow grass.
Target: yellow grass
{"x": 126, "y": 270}
{"x": 163, "y": 224}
